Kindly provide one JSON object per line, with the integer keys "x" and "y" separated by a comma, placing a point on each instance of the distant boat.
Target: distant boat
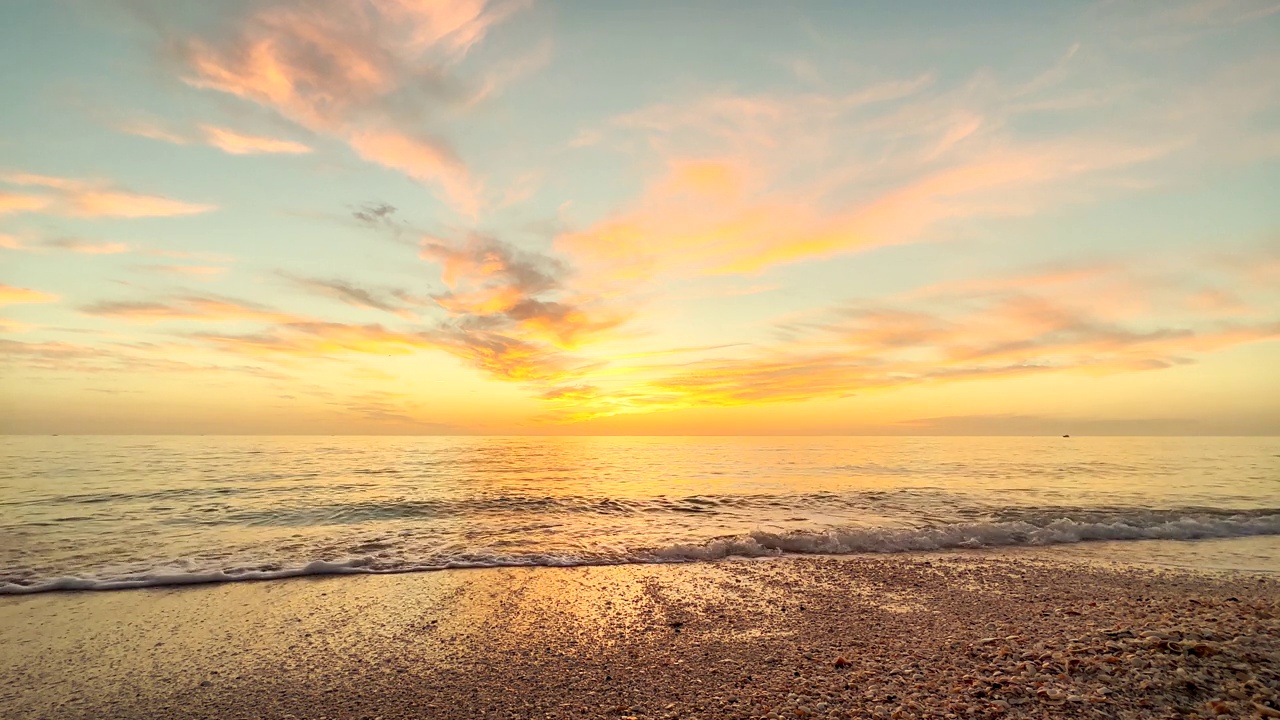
{"x": 1066, "y": 436}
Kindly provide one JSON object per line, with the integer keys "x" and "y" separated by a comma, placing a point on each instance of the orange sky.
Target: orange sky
{"x": 401, "y": 216}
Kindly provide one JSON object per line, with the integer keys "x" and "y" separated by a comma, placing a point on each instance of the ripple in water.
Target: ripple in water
{"x": 120, "y": 512}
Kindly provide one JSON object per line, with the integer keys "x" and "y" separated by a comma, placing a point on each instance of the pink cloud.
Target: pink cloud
{"x": 350, "y": 70}
{"x": 117, "y": 204}
{"x": 229, "y": 141}
{"x": 81, "y": 198}
{"x": 18, "y": 202}
{"x": 152, "y": 131}
{"x": 744, "y": 183}
{"x": 240, "y": 144}
{"x": 1056, "y": 320}
{"x": 751, "y": 182}
{"x": 421, "y": 160}
{"x": 77, "y": 245}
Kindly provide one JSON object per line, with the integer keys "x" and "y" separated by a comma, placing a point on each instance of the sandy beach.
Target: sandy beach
{"x": 946, "y": 635}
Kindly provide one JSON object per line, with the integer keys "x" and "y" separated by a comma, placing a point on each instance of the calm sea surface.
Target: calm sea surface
{"x": 117, "y": 512}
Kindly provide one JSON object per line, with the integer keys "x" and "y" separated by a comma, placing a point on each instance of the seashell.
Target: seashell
{"x": 1051, "y": 696}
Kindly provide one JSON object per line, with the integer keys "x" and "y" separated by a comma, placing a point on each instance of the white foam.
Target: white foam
{"x": 1137, "y": 526}
{"x": 971, "y": 535}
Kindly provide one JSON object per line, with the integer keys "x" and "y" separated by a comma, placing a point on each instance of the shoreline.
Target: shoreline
{"x": 809, "y": 636}
{"x": 1255, "y": 554}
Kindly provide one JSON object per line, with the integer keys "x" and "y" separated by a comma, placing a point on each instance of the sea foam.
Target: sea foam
{"x": 1033, "y": 528}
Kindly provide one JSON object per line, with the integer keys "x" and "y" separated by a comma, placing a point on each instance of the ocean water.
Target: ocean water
{"x": 120, "y": 512}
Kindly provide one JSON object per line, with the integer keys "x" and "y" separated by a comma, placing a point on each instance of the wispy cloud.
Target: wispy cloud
{"x": 188, "y": 270}
{"x": 741, "y": 183}
{"x": 8, "y": 326}
{"x": 130, "y": 358}
{"x": 315, "y": 339}
{"x": 494, "y": 286}
{"x": 187, "y": 255}
{"x": 374, "y": 214}
{"x": 103, "y": 247}
{"x": 1057, "y": 320}
{"x": 225, "y": 139}
{"x": 392, "y": 300}
{"x": 507, "y": 313}
{"x": 10, "y": 295}
{"x": 362, "y": 73}
{"x": 1015, "y": 424}
{"x": 87, "y": 247}
{"x": 236, "y": 143}
{"x": 93, "y": 199}
{"x": 196, "y": 308}
{"x": 729, "y": 200}
{"x": 151, "y": 130}
{"x": 19, "y": 202}
{"x": 421, "y": 160}
{"x": 390, "y": 408}
{"x": 499, "y": 355}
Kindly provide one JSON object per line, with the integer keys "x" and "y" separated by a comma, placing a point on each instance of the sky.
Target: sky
{"x": 577, "y": 217}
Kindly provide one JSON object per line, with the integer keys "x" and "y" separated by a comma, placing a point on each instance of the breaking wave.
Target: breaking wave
{"x": 1012, "y": 527}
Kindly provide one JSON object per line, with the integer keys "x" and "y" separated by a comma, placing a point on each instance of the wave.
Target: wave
{"x": 1015, "y": 527}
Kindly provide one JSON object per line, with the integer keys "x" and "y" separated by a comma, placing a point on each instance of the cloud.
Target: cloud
{"x": 388, "y": 407}
{"x": 420, "y": 159}
{"x": 499, "y": 355}
{"x": 742, "y": 183}
{"x": 239, "y": 144}
{"x": 1016, "y": 424}
{"x": 10, "y": 295}
{"x": 86, "y": 247}
{"x": 393, "y": 300}
{"x": 104, "y": 203}
{"x": 749, "y": 207}
{"x": 381, "y": 217}
{"x": 224, "y": 139}
{"x": 488, "y": 276}
{"x": 117, "y": 357}
{"x": 313, "y": 339}
{"x": 495, "y": 286}
{"x": 196, "y": 308}
{"x": 186, "y": 255}
{"x": 189, "y": 270}
{"x": 510, "y": 312}
{"x": 91, "y": 199}
{"x": 152, "y": 131}
{"x": 17, "y": 202}
{"x": 368, "y": 74}
{"x": 374, "y": 213}
{"x": 289, "y": 337}
{"x": 507, "y": 313}
{"x": 8, "y": 326}
{"x": 89, "y": 247}
{"x": 1062, "y": 319}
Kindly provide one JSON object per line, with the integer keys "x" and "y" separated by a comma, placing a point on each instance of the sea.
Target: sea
{"x": 120, "y": 512}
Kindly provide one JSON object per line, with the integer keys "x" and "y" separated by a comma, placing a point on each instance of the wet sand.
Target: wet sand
{"x": 948, "y": 636}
